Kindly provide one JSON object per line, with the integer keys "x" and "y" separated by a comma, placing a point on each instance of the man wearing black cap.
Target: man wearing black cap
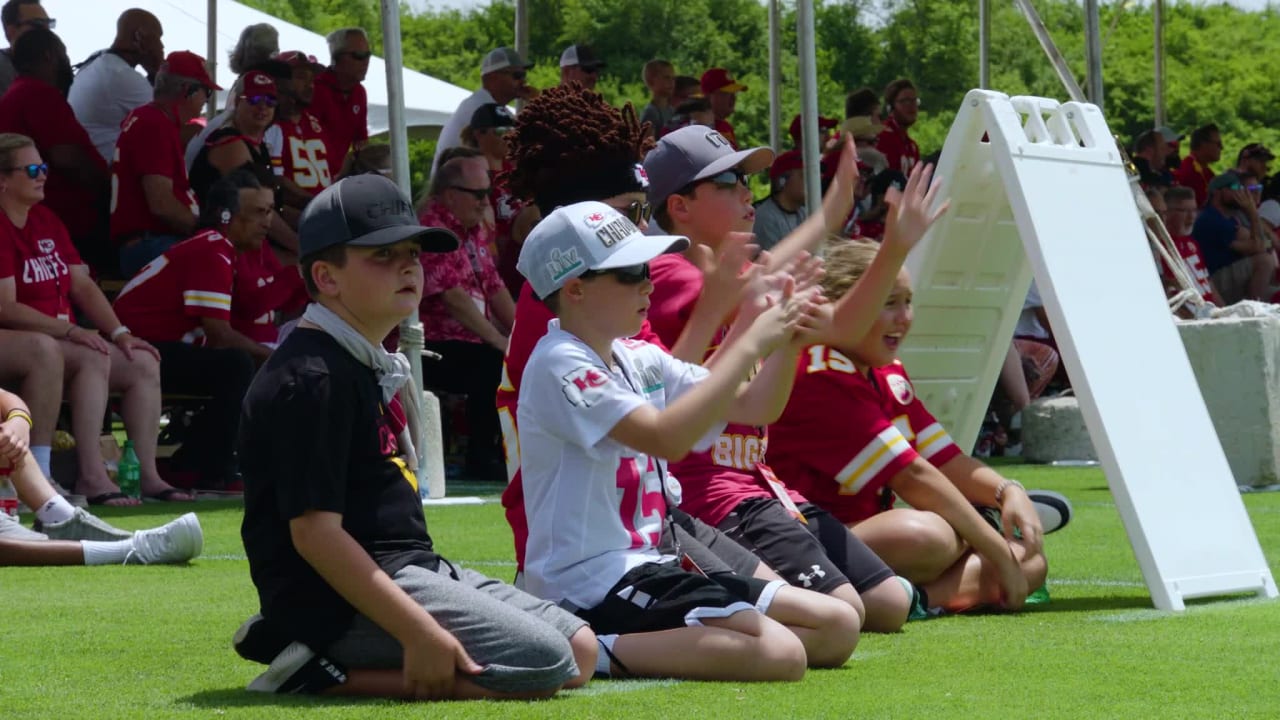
{"x": 502, "y": 80}
{"x": 1150, "y": 152}
{"x": 580, "y": 64}
{"x": 333, "y": 529}
{"x": 1255, "y": 159}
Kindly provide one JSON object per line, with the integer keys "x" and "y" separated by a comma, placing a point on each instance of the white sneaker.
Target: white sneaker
{"x": 298, "y": 670}
{"x": 12, "y": 529}
{"x": 84, "y": 526}
{"x": 172, "y": 543}
{"x": 1053, "y": 508}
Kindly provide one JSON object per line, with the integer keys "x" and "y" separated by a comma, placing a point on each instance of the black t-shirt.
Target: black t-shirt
{"x": 314, "y": 435}
{"x": 203, "y": 174}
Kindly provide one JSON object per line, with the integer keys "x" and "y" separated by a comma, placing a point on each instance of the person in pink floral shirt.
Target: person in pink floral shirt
{"x": 466, "y": 310}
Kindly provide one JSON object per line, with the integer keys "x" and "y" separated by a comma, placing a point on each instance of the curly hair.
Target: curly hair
{"x": 569, "y": 145}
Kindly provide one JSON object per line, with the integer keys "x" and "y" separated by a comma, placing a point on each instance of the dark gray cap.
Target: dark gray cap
{"x": 696, "y": 152}
{"x": 365, "y": 211}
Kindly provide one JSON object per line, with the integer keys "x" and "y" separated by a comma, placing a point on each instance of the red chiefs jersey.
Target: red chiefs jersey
{"x": 1190, "y": 252}
{"x": 304, "y": 157}
{"x": 845, "y": 434}
{"x": 530, "y": 325}
{"x": 343, "y": 115}
{"x": 263, "y": 286}
{"x": 165, "y": 301}
{"x": 149, "y": 144}
{"x": 899, "y": 149}
{"x": 39, "y": 257}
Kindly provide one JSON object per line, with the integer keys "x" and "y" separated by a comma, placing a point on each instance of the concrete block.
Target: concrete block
{"x": 1053, "y": 429}
{"x": 1237, "y": 365}
{"x": 432, "y": 450}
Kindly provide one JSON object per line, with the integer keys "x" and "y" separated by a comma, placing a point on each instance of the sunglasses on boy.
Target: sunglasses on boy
{"x": 33, "y": 171}
{"x": 626, "y": 275}
{"x": 256, "y": 100}
{"x": 727, "y": 180}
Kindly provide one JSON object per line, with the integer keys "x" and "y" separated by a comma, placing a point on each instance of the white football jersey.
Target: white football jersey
{"x": 595, "y": 507}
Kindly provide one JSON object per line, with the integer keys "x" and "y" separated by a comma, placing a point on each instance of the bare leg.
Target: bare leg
{"x": 745, "y": 646}
{"x": 40, "y": 553}
{"x": 1264, "y": 268}
{"x": 30, "y": 485}
{"x": 918, "y": 545}
{"x": 972, "y": 582}
{"x": 828, "y": 627}
{"x": 36, "y": 372}
{"x": 585, "y": 650}
{"x": 764, "y": 572}
{"x": 87, "y": 374}
{"x": 138, "y": 382}
{"x": 1013, "y": 387}
{"x": 888, "y": 605}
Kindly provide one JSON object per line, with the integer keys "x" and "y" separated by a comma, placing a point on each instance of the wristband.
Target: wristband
{"x": 18, "y": 413}
{"x": 1003, "y": 486}
{"x": 122, "y": 330}
{"x": 67, "y": 335}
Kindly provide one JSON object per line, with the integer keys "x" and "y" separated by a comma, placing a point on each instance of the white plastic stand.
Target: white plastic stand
{"x": 1046, "y": 193}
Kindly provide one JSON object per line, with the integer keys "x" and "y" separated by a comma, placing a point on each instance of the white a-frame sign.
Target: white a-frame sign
{"x": 1039, "y": 188}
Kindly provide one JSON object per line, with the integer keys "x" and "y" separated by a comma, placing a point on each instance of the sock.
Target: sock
{"x": 603, "y": 659}
{"x": 41, "y": 454}
{"x": 56, "y": 511}
{"x": 106, "y": 553}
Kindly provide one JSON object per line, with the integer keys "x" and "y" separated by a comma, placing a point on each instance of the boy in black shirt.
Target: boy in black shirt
{"x": 333, "y": 528}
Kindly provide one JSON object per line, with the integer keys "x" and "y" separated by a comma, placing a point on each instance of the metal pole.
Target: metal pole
{"x": 984, "y": 44}
{"x": 809, "y": 105}
{"x": 1050, "y": 49}
{"x": 1093, "y": 51}
{"x": 1157, "y": 10}
{"x": 522, "y": 36}
{"x": 211, "y": 58}
{"x": 775, "y": 75}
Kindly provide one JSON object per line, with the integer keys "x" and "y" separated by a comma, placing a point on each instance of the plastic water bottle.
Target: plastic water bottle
{"x": 129, "y": 472}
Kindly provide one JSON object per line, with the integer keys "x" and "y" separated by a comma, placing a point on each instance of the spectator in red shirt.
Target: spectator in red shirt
{"x": 512, "y": 217}
{"x": 304, "y": 156}
{"x": 902, "y": 102}
{"x": 1177, "y": 210}
{"x": 181, "y": 302}
{"x": 19, "y": 16}
{"x": 152, "y": 206}
{"x": 466, "y": 310}
{"x": 340, "y": 101}
{"x": 36, "y": 106}
{"x": 722, "y": 91}
{"x": 41, "y": 279}
{"x": 1196, "y": 170}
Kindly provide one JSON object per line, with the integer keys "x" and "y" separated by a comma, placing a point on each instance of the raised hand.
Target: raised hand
{"x": 911, "y": 211}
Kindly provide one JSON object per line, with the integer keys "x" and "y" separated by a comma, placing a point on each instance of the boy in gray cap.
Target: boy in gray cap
{"x": 334, "y": 531}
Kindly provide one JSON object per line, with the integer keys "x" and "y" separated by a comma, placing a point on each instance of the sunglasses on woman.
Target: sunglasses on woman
{"x": 256, "y": 100}
{"x": 33, "y": 171}
{"x": 477, "y": 193}
{"x": 637, "y": 212}
{"x": 627, "y": 275}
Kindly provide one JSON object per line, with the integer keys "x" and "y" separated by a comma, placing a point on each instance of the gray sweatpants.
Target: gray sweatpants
{"x": 521, "y": 641}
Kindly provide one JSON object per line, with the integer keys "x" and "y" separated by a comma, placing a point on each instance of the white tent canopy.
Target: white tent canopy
{"x": 86, "y": 27}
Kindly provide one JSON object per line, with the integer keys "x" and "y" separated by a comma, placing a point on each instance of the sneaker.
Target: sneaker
{"x": 298, "y": 670}
{"x": 174, "y": 542}
{"x": 83, "y": 526}
{"x": 255, "y": 641}
{"x": 75, "y": 499}
{"x": 1053, "y": 508}
{"x": 12, "y": 529}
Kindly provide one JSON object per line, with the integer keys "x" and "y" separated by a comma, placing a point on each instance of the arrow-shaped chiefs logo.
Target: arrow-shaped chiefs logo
{"x": 584, "y": 386}
{"x": 45, "y": 245}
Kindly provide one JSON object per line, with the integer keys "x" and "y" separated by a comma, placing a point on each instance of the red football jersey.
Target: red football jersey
{"x": 263, "y": 286}
{"x": 149, "y": 144}
{"x": 530, "y": 325}
{"x": 845, "y": 434}
{"x": 898, "y": 147}
{"x": 343, "y": 115}
{"x": 39, "y": 257}
{"x": 1190, "y": 252}
{"x": 165, "y": 301}
{"x": 305, "y": 156}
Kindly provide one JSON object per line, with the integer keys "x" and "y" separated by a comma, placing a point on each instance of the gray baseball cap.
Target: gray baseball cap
{"x": 501, "y": 59}
{"x": 696, "y": 152}
{"x": 365, "y": 211}
{"x": 586, "y": 236}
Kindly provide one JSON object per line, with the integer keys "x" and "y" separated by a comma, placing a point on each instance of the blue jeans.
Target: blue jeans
{"x": 149, "y": 247}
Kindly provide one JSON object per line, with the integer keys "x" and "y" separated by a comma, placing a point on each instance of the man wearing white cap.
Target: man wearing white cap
{"x": 502, "y": 79}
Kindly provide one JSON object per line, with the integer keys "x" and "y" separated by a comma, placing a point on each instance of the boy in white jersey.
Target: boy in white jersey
{"x": 599, "y": 416}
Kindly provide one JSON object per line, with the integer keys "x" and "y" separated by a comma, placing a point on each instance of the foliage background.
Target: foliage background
{"x": 1216, "y": 56}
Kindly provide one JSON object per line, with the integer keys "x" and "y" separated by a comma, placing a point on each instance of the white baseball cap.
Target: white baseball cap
{"x": 501, "y": 59}
{"x": 586, "y": 236}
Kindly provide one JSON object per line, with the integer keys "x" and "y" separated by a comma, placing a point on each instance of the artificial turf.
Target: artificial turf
{"x": 154, "y": 642}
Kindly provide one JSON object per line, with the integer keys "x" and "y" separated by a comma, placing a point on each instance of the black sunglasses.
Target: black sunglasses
{"x": 627, "y": 275}
{"x": 361, "y": 56}
{"x": 256, "y": 100}
{"x": 638, "y": 211}
{"x": 518, "y": 75}
{"x": 33, "y": 171}
{"x": 477, "y": 193}
{"x": 727, "y": 180}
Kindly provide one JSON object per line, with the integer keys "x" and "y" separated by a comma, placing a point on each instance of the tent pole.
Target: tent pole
{"x": 1157, "y": 9}
{"x": 775, "y": 76}
{"x": 984, "y": 44}
{"x": 211, "y": 55}
{"x": 809, "y": 105}
{"x": 1055, "y": 56}
{"x": 522, "y": 36}
{"x": 1093, "y": 52}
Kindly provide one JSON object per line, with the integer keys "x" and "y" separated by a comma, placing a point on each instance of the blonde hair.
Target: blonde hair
{"x": 845, "y": 261}
{"x": 11, "y": 143}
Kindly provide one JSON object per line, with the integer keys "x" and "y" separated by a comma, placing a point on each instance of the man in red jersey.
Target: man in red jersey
{"x": 902, "y": 105}
{"x": 722, "y": 91}
{"x": 304, "y": 157}
{"x": 340, "y": 100}
{"x": 1196, "y": 170}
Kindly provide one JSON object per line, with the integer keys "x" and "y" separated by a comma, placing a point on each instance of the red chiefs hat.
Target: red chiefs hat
{"x": 718, "y": 80}
{"x": 190, "y": 65}
{"x": 785, "y": 163}
{"x": 797, "y": 130}
{"x": 256, "y": 83}
{"x": 297, "y": 58}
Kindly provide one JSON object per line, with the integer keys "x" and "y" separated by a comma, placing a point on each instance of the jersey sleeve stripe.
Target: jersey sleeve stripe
{"x": 198, "y": 298}
{"x": 873, "y": 458}
{"x": 933, "y": 440}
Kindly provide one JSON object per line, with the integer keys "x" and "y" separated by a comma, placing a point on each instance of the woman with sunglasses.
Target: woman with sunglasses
{"x": 240, "y": 141}
{"x": 512, "y": 218}
{"x": 42, "y": 282}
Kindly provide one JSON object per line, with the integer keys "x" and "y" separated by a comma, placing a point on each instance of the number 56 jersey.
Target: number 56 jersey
{"x": 304, "y": 157}
{"x": 595, "y": 507}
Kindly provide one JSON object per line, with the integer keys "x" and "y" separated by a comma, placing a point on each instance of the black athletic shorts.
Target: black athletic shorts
{"x": 663, "y": 596}
{"x": 820, "y": 555}
{"x": 713, "y": 551}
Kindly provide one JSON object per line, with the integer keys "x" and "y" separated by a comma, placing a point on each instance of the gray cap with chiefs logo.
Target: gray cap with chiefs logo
{"x": 586, "y": 236}
{"x": 696, "y": 152}
{"x": 365, "y": 211}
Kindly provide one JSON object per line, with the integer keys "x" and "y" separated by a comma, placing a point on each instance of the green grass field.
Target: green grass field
{"x": 154, "y": 642}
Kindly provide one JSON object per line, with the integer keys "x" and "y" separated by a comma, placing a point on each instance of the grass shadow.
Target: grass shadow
{"x": 238, "y": 697}
{"x": 1093, "y": 604}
